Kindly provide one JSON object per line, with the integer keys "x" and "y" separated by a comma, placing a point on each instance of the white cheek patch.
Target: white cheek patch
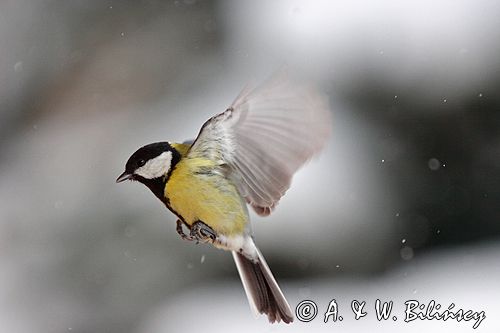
{"x": 156, "y": 167}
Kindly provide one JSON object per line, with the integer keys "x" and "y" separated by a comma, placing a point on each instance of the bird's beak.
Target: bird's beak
{"x": 123, "y": 176}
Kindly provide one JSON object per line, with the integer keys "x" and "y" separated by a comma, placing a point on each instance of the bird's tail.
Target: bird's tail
{"x": 263, "y": 292}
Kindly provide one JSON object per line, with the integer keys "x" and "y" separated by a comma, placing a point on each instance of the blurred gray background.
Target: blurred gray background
{"x": 403, "y": 204}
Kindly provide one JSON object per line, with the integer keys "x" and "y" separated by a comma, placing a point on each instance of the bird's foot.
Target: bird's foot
{"x": 202, "y": 233}
{"x": 181, "y": 233}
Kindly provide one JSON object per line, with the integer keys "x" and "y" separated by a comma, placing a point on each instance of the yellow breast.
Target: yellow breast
{"x": 198, "y": 192}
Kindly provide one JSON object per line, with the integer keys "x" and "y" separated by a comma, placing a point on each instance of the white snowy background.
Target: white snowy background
{"x": 403, "y": 204}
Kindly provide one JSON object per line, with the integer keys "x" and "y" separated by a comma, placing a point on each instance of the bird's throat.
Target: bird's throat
{"x": 156, "y": 185}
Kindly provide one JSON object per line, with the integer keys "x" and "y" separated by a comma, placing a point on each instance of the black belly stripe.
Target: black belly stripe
{"x": 166, "y": 201}
{"x": 157, "y": 186}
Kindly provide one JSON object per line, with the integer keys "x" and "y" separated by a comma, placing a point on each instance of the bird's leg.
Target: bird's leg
{"x": 181, "y": 233}
{"x": 202, "y": 232}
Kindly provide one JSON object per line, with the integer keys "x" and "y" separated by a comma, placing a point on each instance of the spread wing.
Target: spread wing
{"x": 265, "y": 136}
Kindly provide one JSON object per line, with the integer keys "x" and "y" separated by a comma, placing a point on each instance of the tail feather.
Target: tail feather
{"x": 263, "y": 292}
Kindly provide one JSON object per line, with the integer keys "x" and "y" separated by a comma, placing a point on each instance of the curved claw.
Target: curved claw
{"x": 181, "y": 233}
{"x": 202, "y": 232}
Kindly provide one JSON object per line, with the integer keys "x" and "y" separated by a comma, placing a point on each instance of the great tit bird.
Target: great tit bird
{"x": 244, "y": 155}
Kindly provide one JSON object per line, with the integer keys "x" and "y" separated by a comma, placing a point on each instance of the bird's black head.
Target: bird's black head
{"x": 151, "y": 165}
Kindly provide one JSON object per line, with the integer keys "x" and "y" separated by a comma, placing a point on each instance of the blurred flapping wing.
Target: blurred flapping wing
{"x": 265, "y": 136}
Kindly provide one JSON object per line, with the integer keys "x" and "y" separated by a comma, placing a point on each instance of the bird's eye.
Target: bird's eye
{"x": 141, "y": 163}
